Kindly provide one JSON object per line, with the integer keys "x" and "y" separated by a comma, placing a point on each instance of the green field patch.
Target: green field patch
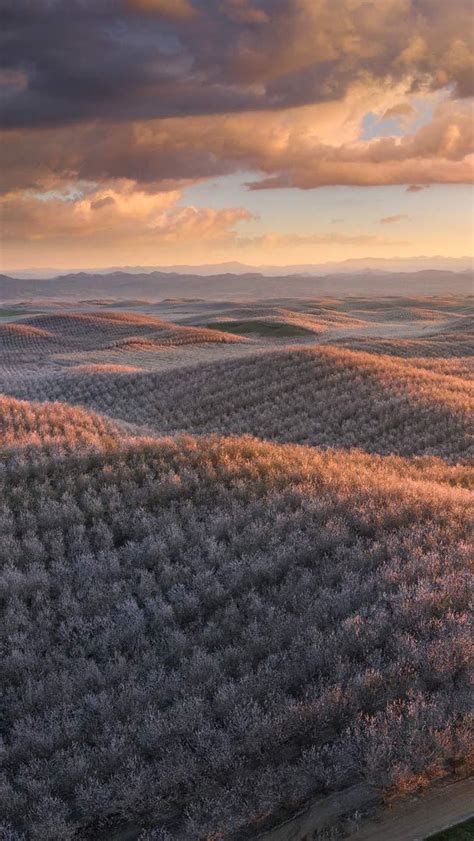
{"x": 11, "y": 313}
{"x": 261, "y": 328}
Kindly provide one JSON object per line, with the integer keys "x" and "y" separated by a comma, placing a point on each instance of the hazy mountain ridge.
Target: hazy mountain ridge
{"x": 355, "y": 264}
{"x": 159, "y": 285}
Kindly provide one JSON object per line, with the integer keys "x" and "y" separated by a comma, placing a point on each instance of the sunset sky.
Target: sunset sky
{"x": 147, "y": 132}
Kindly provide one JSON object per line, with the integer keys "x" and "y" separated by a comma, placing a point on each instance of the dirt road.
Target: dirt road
{"x": 414, "y": 820}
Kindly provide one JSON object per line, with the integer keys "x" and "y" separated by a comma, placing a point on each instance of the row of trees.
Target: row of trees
{"x": 201, "y": 631}
{"x": 435, "y": 347}
{"x": 198, "y": 632}
{"x": 35, "y": 344}
{"x": 322, "y": 396}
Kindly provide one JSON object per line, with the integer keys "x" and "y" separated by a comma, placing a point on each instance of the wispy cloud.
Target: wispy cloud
{"x": 416, "y": 188}
{"x": 392, "y": 220}
{"x": 177, "y": 10}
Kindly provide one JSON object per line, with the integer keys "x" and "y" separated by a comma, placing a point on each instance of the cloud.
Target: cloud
{"x": 273, "y": 240}
{"x": 402, "y": 109}
{"x": 305, "y": 147}
{"x": 403, "y": 113}
{"x": 126, "y": 60}
{"x": 241, "y": 11}
{"x": 124, "y": 220}
{"x": 416, "y": 188}
{"x": 98, "y": 204}
{"x": 112, "y": 108}
{"x": 391, "y": 220}
{"x": 440, "y": 152}
{"x": 113, "y": 215}
{"x": 178, "y": 10}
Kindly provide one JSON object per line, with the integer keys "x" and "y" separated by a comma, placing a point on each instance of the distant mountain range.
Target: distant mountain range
{"x": 364, "y": 264}
{"x": 159, "y": 285}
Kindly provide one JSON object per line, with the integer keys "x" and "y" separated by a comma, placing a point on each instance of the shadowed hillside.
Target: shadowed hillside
{"x": 306, "y": 316}
{"x": 439, "y": 346}
{"x": 449, "y": 339}
{"x": 265, "y": 327}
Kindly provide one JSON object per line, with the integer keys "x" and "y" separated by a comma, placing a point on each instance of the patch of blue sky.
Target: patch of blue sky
{"x": 373, "y": 127}
{"x": 355, "y": 209}
{"x": 68, "y": 194}
{"x": 376, "y": 125}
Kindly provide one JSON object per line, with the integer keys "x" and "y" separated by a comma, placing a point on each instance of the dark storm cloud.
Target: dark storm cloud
{"x": 86, "y": 60}
{"x": 118, "y": 60}
{"x": 76, "y": 60}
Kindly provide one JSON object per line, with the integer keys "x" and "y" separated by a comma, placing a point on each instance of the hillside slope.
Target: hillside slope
{"x": 321, "y": 396}
{"x": 38, "y": 425}
{"x": 199, "y": 633}
{"x": 95, "y": 329}
{"x": 38, "y": 340}
{"x": 450, "y": 339}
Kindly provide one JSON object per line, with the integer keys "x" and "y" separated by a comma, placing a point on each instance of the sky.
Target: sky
{"x": 272, "y": 132}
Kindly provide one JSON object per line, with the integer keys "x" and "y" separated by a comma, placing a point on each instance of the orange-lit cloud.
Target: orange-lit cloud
{"x": 243, "y": 11}
{"x": 416, "y": 188}
{"x": 306, "y": 147}
{"x": 125, "y": 225}
{"x": 112, "y": 109}
{"x": 113, "y": 214}
{"x": 173, "y": 9}
{"x": 271, "y": 241}
{"x": 392, "y": 220}
{"x": 439, "y": 152}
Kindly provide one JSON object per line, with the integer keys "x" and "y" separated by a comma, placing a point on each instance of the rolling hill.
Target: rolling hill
{"x": 321, "y": 396}
{"x": 232, "y": 587}
{"x": 37, "y": 340}
{"x": 199, "y": 634}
